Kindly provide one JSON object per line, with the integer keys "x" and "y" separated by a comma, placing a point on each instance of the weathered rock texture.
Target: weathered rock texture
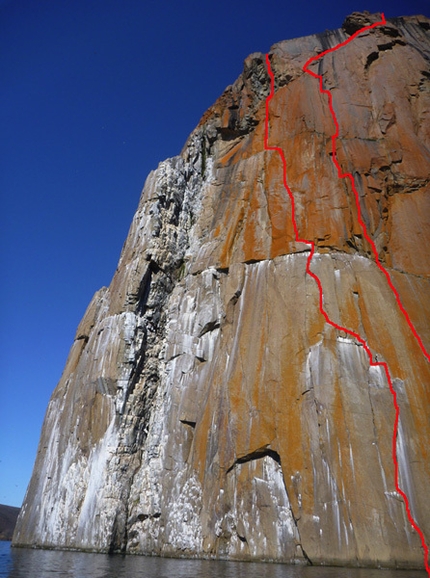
{"x": 206, "y": 408}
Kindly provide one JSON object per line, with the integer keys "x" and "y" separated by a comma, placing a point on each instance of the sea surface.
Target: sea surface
{"x": 27, "y": 563}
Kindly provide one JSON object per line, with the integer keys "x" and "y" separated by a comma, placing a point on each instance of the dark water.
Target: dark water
{"x": 25, "y": 563}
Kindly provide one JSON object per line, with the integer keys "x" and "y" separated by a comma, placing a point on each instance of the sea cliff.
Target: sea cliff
{"x": 207, "y": 408}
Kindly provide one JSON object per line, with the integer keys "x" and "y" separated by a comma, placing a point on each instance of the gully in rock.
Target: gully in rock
{"x": 373, "y": 360}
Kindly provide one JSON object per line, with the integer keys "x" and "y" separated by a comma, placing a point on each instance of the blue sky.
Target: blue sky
{"x": 93, "y": 95}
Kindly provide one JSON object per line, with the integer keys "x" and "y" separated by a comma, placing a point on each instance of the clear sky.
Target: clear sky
{"x": 93, "y": 95}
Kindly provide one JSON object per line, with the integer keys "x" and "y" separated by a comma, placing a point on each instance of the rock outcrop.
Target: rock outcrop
{"x": 206, "y": 407}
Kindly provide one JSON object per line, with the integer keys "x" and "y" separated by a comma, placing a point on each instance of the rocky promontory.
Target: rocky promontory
{"x": 8, "y": 518}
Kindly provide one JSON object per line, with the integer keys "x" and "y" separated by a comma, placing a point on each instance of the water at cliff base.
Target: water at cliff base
{"x": 26, "y": 563}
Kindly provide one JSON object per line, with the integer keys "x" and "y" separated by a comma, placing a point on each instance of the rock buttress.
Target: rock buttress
{"x": 207, "y": 408}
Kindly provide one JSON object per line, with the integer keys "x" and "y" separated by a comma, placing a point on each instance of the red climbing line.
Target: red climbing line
{"x": 349, "y": 176}
{"x": 311, "y": 244}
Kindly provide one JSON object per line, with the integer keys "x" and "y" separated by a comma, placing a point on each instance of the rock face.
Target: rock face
{"x": 206, "y": 407}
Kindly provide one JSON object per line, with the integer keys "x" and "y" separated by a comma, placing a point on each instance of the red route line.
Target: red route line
{"x": 341, "y": 175}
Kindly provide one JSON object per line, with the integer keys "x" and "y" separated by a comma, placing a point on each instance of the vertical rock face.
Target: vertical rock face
{"x": 206, "y": 407}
